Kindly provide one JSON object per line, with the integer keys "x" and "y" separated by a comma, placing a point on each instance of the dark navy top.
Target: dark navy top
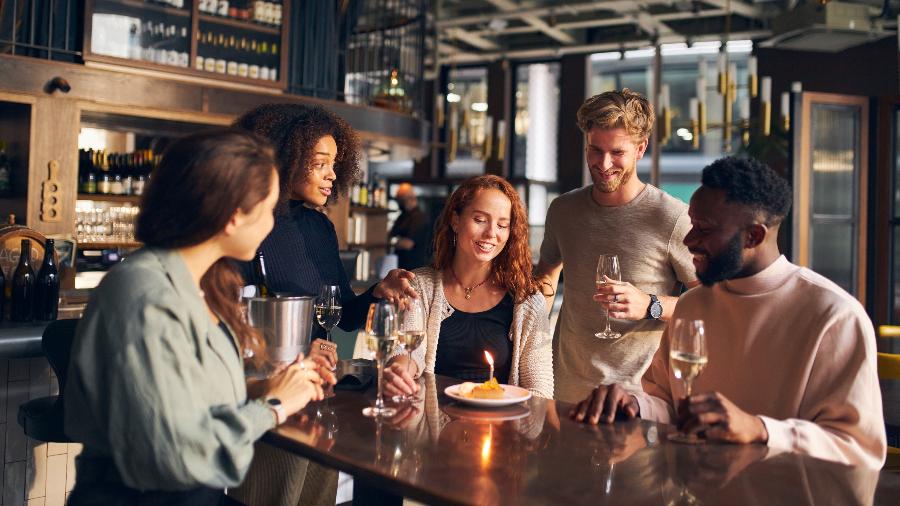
{"x": 301, "y": 255}
{"x": 465, "y": 337}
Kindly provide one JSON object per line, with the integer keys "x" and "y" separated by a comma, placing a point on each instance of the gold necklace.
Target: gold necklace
{"x": 469, "y": 288}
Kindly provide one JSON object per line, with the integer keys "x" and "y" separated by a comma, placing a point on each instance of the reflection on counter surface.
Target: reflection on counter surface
{"x": 439, "y": 451}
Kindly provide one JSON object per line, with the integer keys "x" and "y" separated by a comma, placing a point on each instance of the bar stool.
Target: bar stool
{"x": 43, "y": 418}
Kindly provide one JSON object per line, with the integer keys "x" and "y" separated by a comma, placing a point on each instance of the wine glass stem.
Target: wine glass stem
{"x": 328, "y": 335}
{"x": 608, "y": 328}
{"x": 379, "y": 400}
{"x": 688, "y": 384}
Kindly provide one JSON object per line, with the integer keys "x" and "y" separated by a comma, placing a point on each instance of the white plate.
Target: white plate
{"x": 511, "y": 395}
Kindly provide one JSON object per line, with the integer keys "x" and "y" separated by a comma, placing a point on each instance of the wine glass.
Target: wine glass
{"x": 328, "y": 308}
{"x": 381, "y": 337}
{"x": 411, "y": 333}
{"x": 687, "y": 358}
{"x": 608, "y": 265}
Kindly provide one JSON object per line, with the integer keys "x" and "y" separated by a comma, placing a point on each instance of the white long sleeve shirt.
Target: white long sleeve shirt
{"x": 789, "y": 346}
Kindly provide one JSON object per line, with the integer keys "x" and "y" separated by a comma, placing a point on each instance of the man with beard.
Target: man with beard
{"x": 792, "y": 359}
{"x": 412, "y": 230}
{"x": 617, "y": 214}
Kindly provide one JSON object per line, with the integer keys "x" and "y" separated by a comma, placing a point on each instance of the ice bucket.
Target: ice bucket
{"x": 285, "y": 322}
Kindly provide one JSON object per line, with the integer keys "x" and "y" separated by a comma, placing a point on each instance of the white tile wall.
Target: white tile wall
{"x": 33, "y": 473}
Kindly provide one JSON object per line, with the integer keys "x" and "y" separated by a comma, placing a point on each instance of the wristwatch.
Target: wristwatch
{"x": 275, "y": 405}
{"x": 655, "y": 309}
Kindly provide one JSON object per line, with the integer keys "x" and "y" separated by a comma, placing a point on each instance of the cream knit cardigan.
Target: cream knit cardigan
{"x": 532, "y": 356}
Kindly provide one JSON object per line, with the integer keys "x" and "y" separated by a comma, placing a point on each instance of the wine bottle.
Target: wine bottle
{"x": 259, "y": 268}
{"x": 46, "y": 293}
{"x": 22, "y": 308}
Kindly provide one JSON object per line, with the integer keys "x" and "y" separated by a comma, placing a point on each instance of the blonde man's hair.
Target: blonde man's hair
{"x": 617, "y": 109}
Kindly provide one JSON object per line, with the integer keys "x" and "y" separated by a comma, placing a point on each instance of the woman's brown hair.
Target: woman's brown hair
{"x": 511, "y": 269}
{"x": 199, "y": 184}
{"x": 294, "y": 130}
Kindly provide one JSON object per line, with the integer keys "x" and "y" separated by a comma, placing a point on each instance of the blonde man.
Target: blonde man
{"x": 617, "y": 214}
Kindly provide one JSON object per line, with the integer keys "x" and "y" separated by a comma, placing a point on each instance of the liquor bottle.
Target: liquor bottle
{"x": 274, "y": 63}
{"x": 221, "y": 64}
{"x": 262, "y": 57}
{"x": 22, "y": 308}
{"x": 232, "y": 65}
{"x": 254, "y": 65}
{"x": 46, "y": 292}
{"x": 5, "y": 172}
{"x": 243, "y": 66}
{"x": 259, "y": 269}
{"x": 363, "y": 195}
{"x": 115, "y": 171}
{"x": 104, "y": 183}
{"x": 184, "y": 53}
{"x": 222, "y": 9}
{"x": 128, "y": 175}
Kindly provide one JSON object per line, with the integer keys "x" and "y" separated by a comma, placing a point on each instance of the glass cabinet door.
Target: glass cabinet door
{"x": 830, "y": 181}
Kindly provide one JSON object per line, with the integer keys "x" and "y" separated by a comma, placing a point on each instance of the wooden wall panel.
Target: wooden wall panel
{"x": 55, "y": 137}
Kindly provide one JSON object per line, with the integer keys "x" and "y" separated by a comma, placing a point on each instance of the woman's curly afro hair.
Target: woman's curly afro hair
{"x": 294, "y": 130}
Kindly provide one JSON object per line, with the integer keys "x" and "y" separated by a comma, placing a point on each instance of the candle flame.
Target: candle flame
{"x": 489, "y": 358}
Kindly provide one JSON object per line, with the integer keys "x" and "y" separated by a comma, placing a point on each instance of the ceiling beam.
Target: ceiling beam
{"x": 471, "y": 39}
{"x": 598, "y": 22}
{"x": 598, "y": 48}
{"x": 573, "y": 9}
{"x": 535, "y": 21}
{"x": 737, "y": 7}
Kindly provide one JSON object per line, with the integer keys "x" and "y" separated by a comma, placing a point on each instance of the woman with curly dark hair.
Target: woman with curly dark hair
{"x": 480, "y": 295}
{"x": 318, "y": 161}
{"x": 318, "y": 157}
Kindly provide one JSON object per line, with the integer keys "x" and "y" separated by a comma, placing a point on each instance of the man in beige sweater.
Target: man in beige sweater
{"x": 792, "y": 360}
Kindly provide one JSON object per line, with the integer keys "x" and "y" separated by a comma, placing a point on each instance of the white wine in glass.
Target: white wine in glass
{"x": 328, "y": 308}
{"x": 411, "y": 334}
{"x": 687, "y": 358}
{"x": 381, "y": 337}
{"x": 608, "y": 267}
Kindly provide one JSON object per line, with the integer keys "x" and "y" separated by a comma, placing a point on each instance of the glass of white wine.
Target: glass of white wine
{"x": 687, "y": 358}
{"x": 381, "y": 337}
{"x": 411, "y": 333}
{"x": 608, "y": 266}
{"x": 328, "y": 308}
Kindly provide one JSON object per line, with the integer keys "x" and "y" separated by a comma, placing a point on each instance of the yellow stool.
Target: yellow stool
{"x": 889, "y": 369}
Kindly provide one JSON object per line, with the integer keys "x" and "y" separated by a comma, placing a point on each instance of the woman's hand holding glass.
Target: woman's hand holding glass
{"x": 398, "y": 377}
{"x": 298, "y": 384}
{"x": 395, "y": 287}
{"x": 325, "y": 350}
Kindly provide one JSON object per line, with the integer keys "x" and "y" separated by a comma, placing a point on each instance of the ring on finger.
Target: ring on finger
{"x": 615, "y": 297}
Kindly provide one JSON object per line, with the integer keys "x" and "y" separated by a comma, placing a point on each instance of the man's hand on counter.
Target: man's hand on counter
{"x": 396, "y": 286}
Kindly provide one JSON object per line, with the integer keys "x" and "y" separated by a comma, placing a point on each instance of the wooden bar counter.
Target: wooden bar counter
{"x": 440, "y": 452}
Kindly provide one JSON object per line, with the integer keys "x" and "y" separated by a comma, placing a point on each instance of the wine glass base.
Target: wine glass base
{"x": 411, "y": 399}
{"x": 607, "y": 335}
{"x": 373, "y": 412}
{"x": 690, "y": 439}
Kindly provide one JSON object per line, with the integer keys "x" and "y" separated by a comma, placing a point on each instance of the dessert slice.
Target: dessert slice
{"x": 488, "y": 390}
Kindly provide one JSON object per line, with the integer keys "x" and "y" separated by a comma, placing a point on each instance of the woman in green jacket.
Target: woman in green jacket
{"x": 156, "y": 389}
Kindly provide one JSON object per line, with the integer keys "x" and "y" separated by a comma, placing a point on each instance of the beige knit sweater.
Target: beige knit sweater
{"x": 532, "y": 359}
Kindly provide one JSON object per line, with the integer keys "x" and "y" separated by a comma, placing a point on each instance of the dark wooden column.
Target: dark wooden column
{"x": 570, "y": 149}
{"x": 499, "y": 100}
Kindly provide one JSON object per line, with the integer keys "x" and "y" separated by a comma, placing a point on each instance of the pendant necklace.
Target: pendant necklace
{"x": 468, "y": 289}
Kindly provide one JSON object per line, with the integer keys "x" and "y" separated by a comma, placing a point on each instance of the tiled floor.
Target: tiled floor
{"x": 33, "y": 472}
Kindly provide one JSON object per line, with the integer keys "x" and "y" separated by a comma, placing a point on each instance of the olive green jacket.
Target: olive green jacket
{"x": 156, "y": 386}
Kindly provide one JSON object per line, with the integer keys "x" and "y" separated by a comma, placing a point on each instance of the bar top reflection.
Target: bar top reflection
{"x": 438, "y": 451}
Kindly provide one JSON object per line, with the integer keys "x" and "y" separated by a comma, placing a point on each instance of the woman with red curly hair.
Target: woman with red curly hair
{"x": 480, "y": 295}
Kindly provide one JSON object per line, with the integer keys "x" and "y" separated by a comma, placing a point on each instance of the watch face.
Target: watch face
{"x": 274, "y": 402}
{"x": 656, "y": 310}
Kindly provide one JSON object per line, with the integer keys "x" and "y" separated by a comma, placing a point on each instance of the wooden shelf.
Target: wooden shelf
{"x": 109, "y": 245}
{"x": 369, "y": 210}
{"x": 122, "y": 199}
{"x": 132, "y": 5}
{"x": 241, "y": 25}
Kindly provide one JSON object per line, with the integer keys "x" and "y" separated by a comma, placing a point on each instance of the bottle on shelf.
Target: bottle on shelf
{"x": 22, "y": 303}
{"x": 5, "y": 172}
{"x": 363, "y": 195}
{"x": 259, "y": 268}
{"x": 46, "y": 293}
{"x": 104, "y": 181}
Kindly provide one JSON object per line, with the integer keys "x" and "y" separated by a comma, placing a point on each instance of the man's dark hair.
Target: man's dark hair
{"x": 752, "y": 183}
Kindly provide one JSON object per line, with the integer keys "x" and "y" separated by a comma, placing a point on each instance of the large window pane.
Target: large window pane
{"x": 537, "y": 115}
{"x": 834, "y": 159}
{"x": 832, "y": 253}
{"x": 467, "y": 121}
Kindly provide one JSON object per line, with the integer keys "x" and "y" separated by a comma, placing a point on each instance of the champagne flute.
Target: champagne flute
{"x": 381, "y": 337}
{"x": 608, "y": 266}
{"x": 328, "y": 308}
{"x": 411, "y": 333}
{"x": 687, "y": 358}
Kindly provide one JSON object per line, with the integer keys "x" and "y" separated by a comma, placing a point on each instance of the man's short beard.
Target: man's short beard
{"x": 627, "y": 174}
{"x": 726, "y": 265}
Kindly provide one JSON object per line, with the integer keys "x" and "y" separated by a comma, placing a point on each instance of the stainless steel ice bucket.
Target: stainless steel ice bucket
{"x": 286, "y": 323}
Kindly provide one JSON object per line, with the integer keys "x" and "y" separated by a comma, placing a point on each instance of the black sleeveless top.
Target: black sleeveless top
{"x": 464, "y": 338}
